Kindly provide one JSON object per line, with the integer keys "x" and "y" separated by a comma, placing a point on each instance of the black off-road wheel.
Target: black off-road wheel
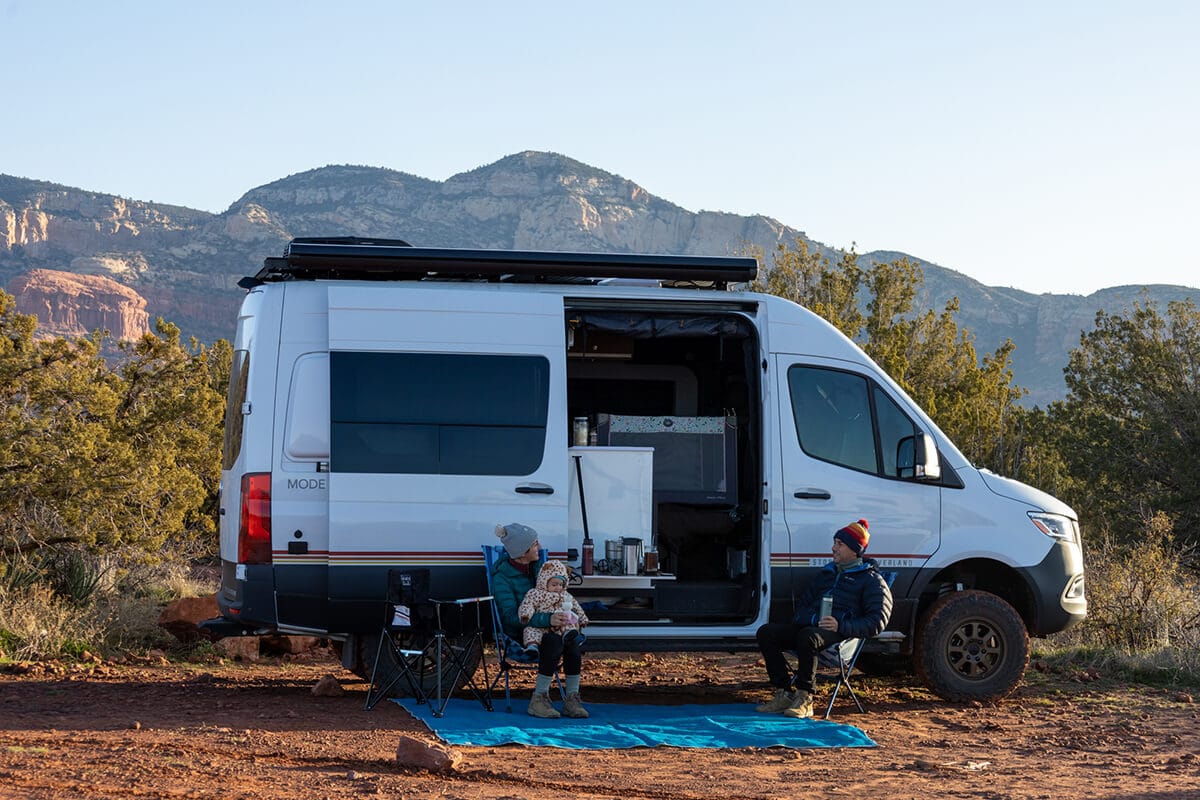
{"x": 424, "y": 666}
{"x": 971, "y": 645}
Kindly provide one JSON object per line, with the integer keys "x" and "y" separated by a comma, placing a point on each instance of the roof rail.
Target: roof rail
{"x": 394, "y": 259}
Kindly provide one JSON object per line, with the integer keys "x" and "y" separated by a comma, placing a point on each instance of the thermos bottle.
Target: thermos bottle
{"x": 588, "y": 556}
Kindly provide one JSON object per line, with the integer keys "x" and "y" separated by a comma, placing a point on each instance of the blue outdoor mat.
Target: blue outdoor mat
{"x": 616, "y": 726}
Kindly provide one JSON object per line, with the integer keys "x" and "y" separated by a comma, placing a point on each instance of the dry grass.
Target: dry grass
{"x": 107, "y": 606}
{"x": 36, "y": 623}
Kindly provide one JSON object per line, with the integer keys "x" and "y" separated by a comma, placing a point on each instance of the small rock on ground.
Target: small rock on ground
{"x": 328, "y": 686}
{"x": 416, "y": 754}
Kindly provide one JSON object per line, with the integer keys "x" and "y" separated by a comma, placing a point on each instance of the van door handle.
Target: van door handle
{"x": 812, "y": 494}
{"x": 535, "y": 488}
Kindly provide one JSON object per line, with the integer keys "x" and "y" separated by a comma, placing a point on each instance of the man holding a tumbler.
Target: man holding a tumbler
{"x": 847, "y": 599}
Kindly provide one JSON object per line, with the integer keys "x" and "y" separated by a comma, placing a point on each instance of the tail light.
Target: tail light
{"x": 254, "y": 527}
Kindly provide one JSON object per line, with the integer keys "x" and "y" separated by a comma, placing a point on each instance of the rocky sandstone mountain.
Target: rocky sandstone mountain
{"x": 186, "y": 263}
{"x": 67, "y": 304}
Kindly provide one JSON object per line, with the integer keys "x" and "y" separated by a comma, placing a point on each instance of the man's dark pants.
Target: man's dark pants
{"x": 804, "y": 640}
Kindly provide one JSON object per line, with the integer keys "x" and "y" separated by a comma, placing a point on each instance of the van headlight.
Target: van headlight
{"x": 1056, "y": 526}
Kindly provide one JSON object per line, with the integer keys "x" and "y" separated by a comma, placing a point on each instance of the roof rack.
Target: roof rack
{"x": 394, "y": 259}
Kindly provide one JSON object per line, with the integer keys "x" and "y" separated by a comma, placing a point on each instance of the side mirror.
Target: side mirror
{"x": 917, "y": 458}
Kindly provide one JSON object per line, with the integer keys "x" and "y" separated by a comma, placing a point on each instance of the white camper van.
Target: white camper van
{"x": 389, "y": 405}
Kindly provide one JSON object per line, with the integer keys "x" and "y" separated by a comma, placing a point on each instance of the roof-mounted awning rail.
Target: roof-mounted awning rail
{"x": 394, "y": 259}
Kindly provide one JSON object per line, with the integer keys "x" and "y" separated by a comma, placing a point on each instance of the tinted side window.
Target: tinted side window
{"x": 235, "y": 398}
{"x": 833, "y": 416}
{"x": 427, "y": 413}
{"x": 894, "y": 425}
{"x": 835, "y": 422}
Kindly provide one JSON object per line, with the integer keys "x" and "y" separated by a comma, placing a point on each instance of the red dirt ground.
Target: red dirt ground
{"x": 257, "y": 731}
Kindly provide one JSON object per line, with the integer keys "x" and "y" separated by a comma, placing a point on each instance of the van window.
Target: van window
{"x": 441, "y": 414}
{"x": 894, "y": 425}
{"x": 834, "y": 420}
{"x": 235, "y": 398}
{"x": 306, "y": 436}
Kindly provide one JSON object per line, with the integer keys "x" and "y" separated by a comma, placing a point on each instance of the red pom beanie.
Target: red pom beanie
{"x": 854, "y": 536}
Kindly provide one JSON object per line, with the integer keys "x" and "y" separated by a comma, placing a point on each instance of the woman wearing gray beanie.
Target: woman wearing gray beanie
{"x": 512, "y": 578}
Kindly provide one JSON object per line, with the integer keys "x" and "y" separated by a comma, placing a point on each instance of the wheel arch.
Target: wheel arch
{"x": 983, "y": 574}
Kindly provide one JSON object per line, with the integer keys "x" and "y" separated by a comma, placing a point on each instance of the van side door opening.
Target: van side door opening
{"x": 687, "y": 383}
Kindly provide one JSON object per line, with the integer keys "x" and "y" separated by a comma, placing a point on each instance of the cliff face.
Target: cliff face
{"x": 186, "y": 263}
{"x": 73, "y": 305}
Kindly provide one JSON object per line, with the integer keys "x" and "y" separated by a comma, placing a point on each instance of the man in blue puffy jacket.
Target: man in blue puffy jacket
{"x": 861, "y": 605}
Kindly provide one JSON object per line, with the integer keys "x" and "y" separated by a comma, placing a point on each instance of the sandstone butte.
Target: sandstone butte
{"x": 72, "y": 305}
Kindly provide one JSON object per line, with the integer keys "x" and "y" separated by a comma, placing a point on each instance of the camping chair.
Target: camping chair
{"x": 843, "y": 656}
{"x": 460, "y": 656}
{"x": 407, "y": 592}
{"x": 510, "y": 654}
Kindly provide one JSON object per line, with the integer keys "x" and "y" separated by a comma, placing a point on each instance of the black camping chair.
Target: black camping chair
{"x": 510, "y": 654}
{"x": 407, "y": 597}
{"x": 842, "y": 656}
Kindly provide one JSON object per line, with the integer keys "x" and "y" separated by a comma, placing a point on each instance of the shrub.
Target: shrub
{"x": 75, "y": 575}
{"x": 18, "y": 573}
{"x": 1141, "y": 596}
{"x": 129, "y": 623}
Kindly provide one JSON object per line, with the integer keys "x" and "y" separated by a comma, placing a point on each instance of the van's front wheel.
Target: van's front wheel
{"x": 424, "y": 666}
{"x": 971, "y": 645}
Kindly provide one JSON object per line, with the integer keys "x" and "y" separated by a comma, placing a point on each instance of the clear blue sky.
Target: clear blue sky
{"x": 1050, "y": 146}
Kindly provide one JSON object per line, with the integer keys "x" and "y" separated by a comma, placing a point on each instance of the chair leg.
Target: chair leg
{"x": 458, "y": 657}
{"x": 374, "y": 672}
{"x": 502, "y": 670}
{"x": 403, "y": 672}
{"x": 507, "y": 694}
{"x": 832, "y": 696}
{"x": 843, "y": 680}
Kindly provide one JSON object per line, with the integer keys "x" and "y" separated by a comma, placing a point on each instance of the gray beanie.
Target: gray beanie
{"x": 516, "y": 538}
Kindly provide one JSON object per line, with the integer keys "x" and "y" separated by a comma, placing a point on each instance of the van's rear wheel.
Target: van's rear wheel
{"x": 423, "y": 666}
{"x": 971, "y": 645}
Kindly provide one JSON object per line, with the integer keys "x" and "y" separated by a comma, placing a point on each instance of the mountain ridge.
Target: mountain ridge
{"x": 186, "y": 262}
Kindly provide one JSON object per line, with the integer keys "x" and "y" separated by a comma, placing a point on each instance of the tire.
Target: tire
{"x": 971, "y": 645}
{"x": 423, "y": 666}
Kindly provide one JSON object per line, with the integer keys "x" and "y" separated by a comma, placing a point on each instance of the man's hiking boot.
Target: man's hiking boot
{"x": 782, "y": 699}
{"x": 801, "y": 707}
{"x": 539, "y": 706}
{"x": 573, "y": 707}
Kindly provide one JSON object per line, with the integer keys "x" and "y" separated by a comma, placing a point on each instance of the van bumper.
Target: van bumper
{"x": 248, "y": 600}
{"x": 1058, "y": 588}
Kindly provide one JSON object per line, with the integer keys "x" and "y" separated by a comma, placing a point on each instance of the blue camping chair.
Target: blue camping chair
{"x": 842, "y": 656}
{"x": 510, "y": 654}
